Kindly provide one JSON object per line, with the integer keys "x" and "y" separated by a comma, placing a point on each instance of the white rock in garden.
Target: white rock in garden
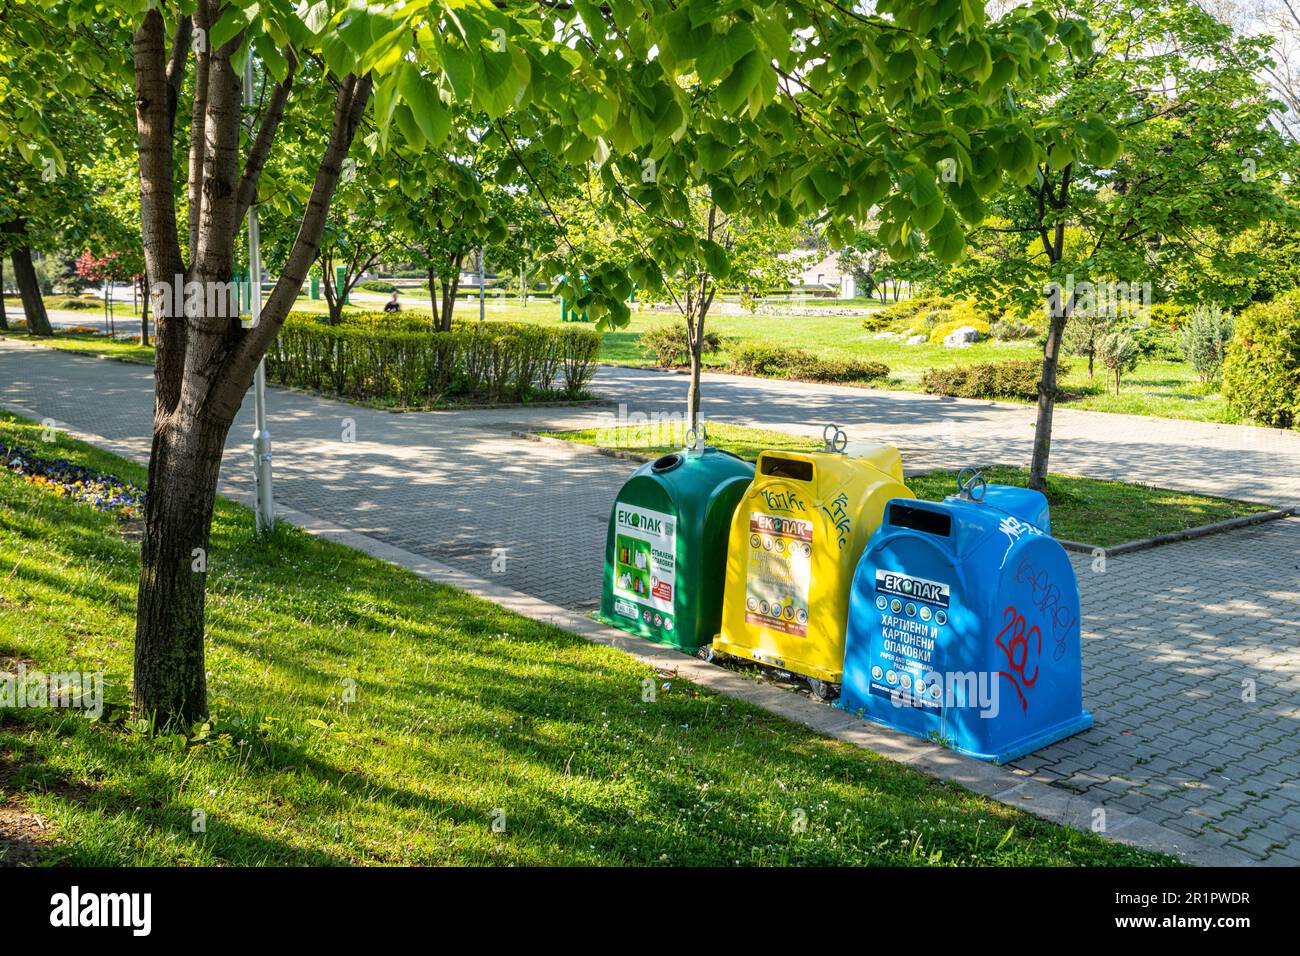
{"x": 885, "y": 335}
{"x": 916, "y": 340}
{"x": 962, "y": 337}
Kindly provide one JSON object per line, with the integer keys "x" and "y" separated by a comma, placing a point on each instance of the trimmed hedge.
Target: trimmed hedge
{"x": 1014, "y": 378}
{"x": 379, "y": 357}
{"x": 1261, "y": 372}
{"x": 778, "y": 361}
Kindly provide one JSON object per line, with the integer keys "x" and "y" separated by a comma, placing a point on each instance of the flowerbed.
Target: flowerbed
{"x": 102, "y": 492}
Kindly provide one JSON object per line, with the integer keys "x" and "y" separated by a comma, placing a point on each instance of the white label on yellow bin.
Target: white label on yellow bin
{"x": 645, "y": 561}
{"x": 780, "y": 562}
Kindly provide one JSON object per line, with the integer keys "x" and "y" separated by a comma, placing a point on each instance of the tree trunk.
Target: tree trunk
{"x": 1047, "y": 397}
{"x": 144, "y": 312}
{"x": 203, "y": 363}
{"x": 170, "y": 681}
{"x": 4, "y": 319}
{"x": 430, "y": 275}
{"x": 696, "y": 341}
{"x": 450, "y": 286}
{"x": 29, "y": 288}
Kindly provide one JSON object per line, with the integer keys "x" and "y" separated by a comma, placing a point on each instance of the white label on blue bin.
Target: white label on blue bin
{"x": 911, "y": 588}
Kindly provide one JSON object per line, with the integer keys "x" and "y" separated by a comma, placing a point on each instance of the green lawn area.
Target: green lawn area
{"x": 1102, "y": 513}
{"x": 88, "y": 344}
{"x": 462, "y": 712}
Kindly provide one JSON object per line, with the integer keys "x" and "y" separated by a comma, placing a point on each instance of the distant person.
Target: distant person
{"x": 392, "y": 305}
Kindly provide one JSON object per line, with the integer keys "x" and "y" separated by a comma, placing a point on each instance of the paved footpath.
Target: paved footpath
{"x": 1191, "y": 651}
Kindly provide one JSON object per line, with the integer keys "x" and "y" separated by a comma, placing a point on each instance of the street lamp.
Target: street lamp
{"x": 265, "y": 499}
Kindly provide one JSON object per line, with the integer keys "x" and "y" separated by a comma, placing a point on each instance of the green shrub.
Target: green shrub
{"x": 946, "y": 328}
{"x": 1118, "y": 351}
{"x": 372, "y": 357}
{"x": 777, "y": 361}
{"x": 1156, "y": 343}
{"x": 1168, "y": 314}
{"x": 1204, "y": 338}
{"x": 74, "y": 303}
{"x": 1008, "y": 330}
{"x": 672, "y": 347}
{"x": 905, "y": 310}
{"x": 377, "y": 285}
{"x": 1013, "y": 378}
{"x": 1261, "y": 371}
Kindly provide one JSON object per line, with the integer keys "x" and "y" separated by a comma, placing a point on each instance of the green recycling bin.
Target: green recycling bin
{"x": 666, "y": 548}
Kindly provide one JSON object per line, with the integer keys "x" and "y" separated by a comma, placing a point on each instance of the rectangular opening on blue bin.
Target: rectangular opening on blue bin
{"x": 920, "y": 519}
{"x": 787, "y": 468}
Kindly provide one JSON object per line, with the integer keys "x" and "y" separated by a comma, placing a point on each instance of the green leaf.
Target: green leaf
{"x": 716, "y": 258}
{"x": 419, "y": 93}
{"x": 947, "y": 240}
{"x": 740, "y": 82}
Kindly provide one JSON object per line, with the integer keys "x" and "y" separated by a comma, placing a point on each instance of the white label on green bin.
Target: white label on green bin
{"x": 645, "y": 562}
{"x": 780, "y": 563}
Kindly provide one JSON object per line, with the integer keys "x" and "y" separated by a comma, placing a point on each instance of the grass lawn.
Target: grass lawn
{"x": 88, "y": 344}
{"x": 462, "y": 713}
{"x": 1103, "y": 513}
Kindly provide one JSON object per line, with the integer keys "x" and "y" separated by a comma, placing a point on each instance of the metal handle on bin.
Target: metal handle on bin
{"x": 836, "y": 439}
{"x": 968, "y": 479}
{"x": 696, "y": 438}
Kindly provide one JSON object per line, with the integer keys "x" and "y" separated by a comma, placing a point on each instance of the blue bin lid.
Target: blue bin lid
{"x": 1023, "y": 503}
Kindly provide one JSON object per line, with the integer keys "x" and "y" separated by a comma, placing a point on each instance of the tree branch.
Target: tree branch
{"x": 246, "y": 192}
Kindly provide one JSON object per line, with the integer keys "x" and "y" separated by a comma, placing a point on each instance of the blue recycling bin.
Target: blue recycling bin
{"x": 964, "y": 625}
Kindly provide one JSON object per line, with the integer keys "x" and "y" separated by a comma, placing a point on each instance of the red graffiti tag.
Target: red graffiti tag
{"x": 1017, "y": 652}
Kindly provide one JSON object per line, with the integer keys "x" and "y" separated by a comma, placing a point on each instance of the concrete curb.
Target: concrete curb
{"x": 1054, "y": 804}
{"x": 1187, "y": 534}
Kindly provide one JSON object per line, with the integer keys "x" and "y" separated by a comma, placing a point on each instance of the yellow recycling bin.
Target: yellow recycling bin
{"x": 796, "y": 538}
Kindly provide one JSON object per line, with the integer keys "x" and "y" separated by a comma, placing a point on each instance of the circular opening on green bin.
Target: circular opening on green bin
{"x": 666, "y": 463}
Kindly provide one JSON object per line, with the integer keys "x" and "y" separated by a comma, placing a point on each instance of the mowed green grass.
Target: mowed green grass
{"x": 464, "y": 714}
{"x": 88, "y": 345}
{"x": 1089, "y": 510}
{"x": 1102, "y": 513}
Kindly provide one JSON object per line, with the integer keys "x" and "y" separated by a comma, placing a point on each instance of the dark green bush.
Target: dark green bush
{"x": 377, "y": 285}
{"x": 1156, "y": 343}
{"x": 1261, "y": 373}
{"x": 671, "y": 346}
{"x": 1204, "y": 338}
{"x": 905, "y": 310}
{"x": 776, "y": 361}
{"x": 75, "y": 303}
{"x": 1013, "y": 378}
{"x": 1008, "y": 330}
{"x": 376, "y": 359}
